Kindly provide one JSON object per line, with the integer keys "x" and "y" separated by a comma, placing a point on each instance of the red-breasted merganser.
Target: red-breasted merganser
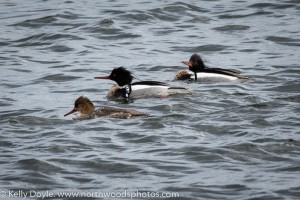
{"x": 202, "y": 73}
{"x": 142, "y": 89}
{"x": 87, "y": 111}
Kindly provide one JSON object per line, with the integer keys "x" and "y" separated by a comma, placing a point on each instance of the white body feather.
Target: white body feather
{"x": 146, "y": 91}
{"x": 204, "y": 76}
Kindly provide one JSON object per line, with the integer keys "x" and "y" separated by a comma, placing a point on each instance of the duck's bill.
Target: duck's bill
{"x": 72, "y": 111}
{"x": 187, "y": 63}
{"x": 102, "y": 77}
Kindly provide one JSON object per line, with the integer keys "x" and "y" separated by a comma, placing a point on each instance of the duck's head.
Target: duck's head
{"x": 195, "y": 63}
{"x": 120, "y": 75}
{"x": 83, "y": 105}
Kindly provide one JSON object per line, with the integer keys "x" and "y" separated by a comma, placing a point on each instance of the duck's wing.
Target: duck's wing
{"x": 226, "y": 72}
{"x": 152, "y": 83}
{"x": 157, "y": 83}
{"x": 119, "y": 113}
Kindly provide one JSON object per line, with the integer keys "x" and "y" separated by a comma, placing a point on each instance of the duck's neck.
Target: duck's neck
{"x": 86, "y": 116}
{"x": 128, "y": 90}
{"x": 195, "y": 74}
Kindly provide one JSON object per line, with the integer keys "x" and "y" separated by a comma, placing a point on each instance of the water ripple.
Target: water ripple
{"x": 233, "y": 140}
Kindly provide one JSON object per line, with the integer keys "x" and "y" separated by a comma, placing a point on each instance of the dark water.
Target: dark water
{"x": 226, "y": 141}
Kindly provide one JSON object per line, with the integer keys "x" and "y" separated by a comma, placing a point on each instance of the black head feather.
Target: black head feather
{"x": 197, "y": 63}
{"x": 121, "y": 76}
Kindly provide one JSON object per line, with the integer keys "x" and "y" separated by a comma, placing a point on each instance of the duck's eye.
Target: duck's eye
{"x": 114, "y": 75}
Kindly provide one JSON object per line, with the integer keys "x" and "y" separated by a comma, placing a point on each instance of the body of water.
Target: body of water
{"x": 234, "y": 140}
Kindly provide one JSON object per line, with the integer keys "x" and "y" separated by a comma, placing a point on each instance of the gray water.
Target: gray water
{"x": 237, "y": 140}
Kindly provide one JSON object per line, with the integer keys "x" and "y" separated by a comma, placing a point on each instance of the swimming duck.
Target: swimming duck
{"x": 87, "y": 111}
{"x": 142, "y": 89}
{"x": 199, "y": 72}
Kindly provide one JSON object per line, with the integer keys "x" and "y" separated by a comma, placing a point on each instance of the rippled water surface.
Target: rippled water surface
{"x": 237, "y": 140}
